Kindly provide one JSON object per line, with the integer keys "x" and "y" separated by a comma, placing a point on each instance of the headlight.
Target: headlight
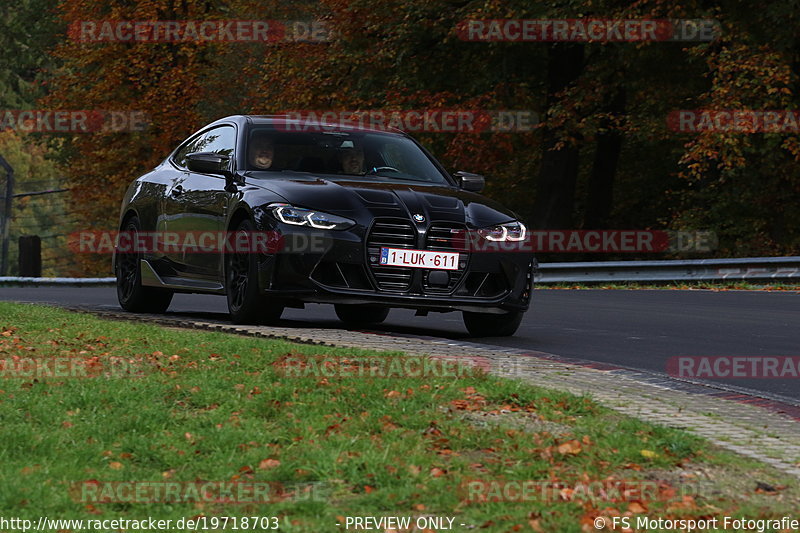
{"x": 300, "y": 216}
{"x": 508, "y": 232}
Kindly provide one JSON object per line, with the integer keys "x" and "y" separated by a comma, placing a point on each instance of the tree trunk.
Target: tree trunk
{"x": 555, "y": 190}
{"x": 600, "y": 196}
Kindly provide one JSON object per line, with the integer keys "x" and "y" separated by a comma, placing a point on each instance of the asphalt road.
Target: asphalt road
{"x": 639, "y": 329}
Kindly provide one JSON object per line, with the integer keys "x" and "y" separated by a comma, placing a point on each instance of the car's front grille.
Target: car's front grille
{"x": 390, "y": 233}
{"x": 399, "y": 233}
{"x": 446, "y": 237}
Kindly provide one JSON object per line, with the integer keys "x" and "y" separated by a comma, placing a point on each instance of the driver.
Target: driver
{"x": 262, "y": 153}
{"x": 352, "y": 160}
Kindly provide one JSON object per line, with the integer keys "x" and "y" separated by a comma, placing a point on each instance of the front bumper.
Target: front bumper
{"x": 339, "y": 267}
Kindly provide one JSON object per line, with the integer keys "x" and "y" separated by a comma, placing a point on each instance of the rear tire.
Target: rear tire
{"x": 246, "y": 304}
{"x": 131, "y": 294}
{"x": 361, "y": 315}
{"x": 491, "y": 325}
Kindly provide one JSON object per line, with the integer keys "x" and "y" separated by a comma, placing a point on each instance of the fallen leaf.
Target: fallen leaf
{"x": 437, "y": 472}
{"x": 536, "y": 525}
{"x": 649, "y": 454}
{"x": 636, "y": 508}
{"x": 268, "y": 463}
{"x": 572, "y": 447}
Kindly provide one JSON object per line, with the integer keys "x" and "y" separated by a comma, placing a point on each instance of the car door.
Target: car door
{"x": 197, "y": 208}
{"x": 173, "y": 208}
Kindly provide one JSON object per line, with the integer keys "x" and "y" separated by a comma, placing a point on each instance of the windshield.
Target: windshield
{"x": 346, "y": 153}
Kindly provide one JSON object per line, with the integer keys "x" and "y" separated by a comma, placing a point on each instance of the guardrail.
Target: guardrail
{"x": 746, "y": 269}
{"x": 16, "y": 280}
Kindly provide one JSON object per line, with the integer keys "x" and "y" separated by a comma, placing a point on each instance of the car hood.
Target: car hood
{"x": 363, "y": 199}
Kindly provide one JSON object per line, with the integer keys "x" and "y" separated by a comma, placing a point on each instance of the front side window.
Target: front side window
{"x": 219, "y": 140}
{"x": 191, "y": 146}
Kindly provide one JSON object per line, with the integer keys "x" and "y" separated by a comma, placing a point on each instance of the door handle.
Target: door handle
{"x": 176, "y": 191}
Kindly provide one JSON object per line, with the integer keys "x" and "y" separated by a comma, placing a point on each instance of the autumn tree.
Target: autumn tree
{"x": 600, "y": 157}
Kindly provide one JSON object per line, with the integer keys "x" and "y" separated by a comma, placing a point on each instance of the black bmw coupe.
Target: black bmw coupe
{"x": 273, "y": 213}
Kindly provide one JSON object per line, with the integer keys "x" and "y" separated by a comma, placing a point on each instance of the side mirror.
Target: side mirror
{"x": 469, "y": 181}
{"x": 208, "y": 163}
{"x": 213, "y": 163}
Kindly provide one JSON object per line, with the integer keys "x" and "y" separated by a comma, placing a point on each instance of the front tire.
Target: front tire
{"x": 131, "y": 294}
{"x": 246, "y": 304}
{"x": 491, "y": 325}
{"x": 361, "y": 315}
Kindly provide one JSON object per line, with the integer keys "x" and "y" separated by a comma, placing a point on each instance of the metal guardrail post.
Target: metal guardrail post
{"x": 30, "y": 256}
{"x": 6, "y": 219}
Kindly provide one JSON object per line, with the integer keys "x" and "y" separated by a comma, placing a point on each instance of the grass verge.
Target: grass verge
{"x": 327, "y": 437}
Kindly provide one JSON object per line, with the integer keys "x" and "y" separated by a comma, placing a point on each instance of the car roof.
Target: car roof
{"x": 305, "y": 122}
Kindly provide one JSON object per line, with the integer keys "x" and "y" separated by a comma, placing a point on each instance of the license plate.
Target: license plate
{"x": 419, "y": 259}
